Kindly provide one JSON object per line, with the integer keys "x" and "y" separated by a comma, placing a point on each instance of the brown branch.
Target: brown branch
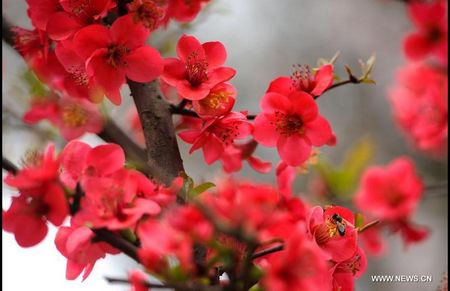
{"x": 116, "y": 241}
{"x": 163, "y": 156}
{"x": 9, "y": 166}
{"x": 268, "y": 252}
{"x": 7, "y": 34}
{"x": 114, "y": 134}
{"x": 177, "y": 110}
{"x": 176, "y": 286}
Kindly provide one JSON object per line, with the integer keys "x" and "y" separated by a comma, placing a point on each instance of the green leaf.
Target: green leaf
{"x": 367, "y": 67}
{"x": 200, "y": 189}
{"x": 36, "y": 87}
{"x": 129, "y": 235}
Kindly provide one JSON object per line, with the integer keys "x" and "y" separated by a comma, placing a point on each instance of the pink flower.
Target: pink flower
{"x": 344, "y": 273}
{"x": 300, "y": 266}
{"x": 80, "y": 162}
{"x": 334, "y": 231}
{"x": 75, "y": 15}
{"x": 30, "y": 43}
{"x": 73, "y": 117}
{"x": 40, "y": 11}
{"x": 301, "y": 80}
{"x": 235, "y": 154}
{"x": 214, "y": 135}
{"x": 392, "y": 194}
{"x": 198, "y": 68}
{"x": 117, "y": 53}
{"x": 431, "y": 37}
{"x": 41, "y": 199}
{"x": 420, "y": 104}
{"x": 291, "y": 123}
{"x": 75, "y": 243}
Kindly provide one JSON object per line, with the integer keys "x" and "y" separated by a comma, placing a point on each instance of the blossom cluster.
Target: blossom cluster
{"x": 420, "y": 95}
{"x": 74, "y": 51}
{"x": 238, "y": 219}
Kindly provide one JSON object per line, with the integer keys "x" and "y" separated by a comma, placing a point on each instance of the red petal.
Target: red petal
{"x": 220, "y": 75}
{"x": 304, "y": 105}
{"x": 174, "y": 71}
{"x": 144, "y": 64}
{"x": 260, "y": 165}
{"x": 32, "y": 230}
{"x": 264, "y": 131}
{"x": 73, "y": 161}
{"x": 273, "y": 102}
{"x": 323, "y": 79}
{"x": 282, "y": 85}
{"x": 126, "y": 32}
{"x": 216, "y": 54}
{"x": 212, "y": 149}
{"x": 57, "y": 203}
{"x": 73, "y": 270}
{"x": 416, "y": 46}
{"x": 294, "y": 150}
{"x": 106, "y": 159}
{"x": 89, "y": 39}
{"x": 185, "y": 90}
{"x": 62, "y": 25}
{"x": 318, "y": 131}
{"x": 187, "y": 45}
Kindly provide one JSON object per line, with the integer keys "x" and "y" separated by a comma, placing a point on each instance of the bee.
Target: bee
{"x": 340, "y": 223}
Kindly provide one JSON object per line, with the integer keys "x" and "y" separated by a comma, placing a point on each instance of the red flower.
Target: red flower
{"x": 75, "y": 243}
{"x": 301, "y": 80}
{"x": 41, "y": 199}
{"x": 391, "y": 194}
{"x": 219, "y": 101}
{"x": 198, "y": 68}
{"x": 73, "y": 117}
{"x": 431, "y": 37}
{"x": 118, "y": 53}
{"x": 420, "y": 104}
{"x": 334, "y": 231}
{"x": 214, "y": 135}
{"x": 30, "y": 43}
{"x": 344, "y": 273}
{"x": 80, "y": 162}
{"x": 300, "y": 266}
{"x": 75, "y": 15}
{"x": 293, "y": 124}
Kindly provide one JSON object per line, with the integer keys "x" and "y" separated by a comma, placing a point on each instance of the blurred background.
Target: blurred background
{"x": 264, "y": 39}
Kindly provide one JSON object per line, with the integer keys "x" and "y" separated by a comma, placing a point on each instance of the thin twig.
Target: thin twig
{"x": 268, "y": 252}
{"x": 9, "y": 166}
{"x": 116, "y": 241}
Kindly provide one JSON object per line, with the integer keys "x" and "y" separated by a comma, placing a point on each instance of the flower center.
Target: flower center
{"x": 301, "y": 78}
{"x": 326, "y": 231}
{"x": 79, "y": 76}
{"x": 353, "y": 266}
{"x": 115, "y": 55}
{"x": 32, "y": 158}
{"x": 197, "y": 69}
{"x": 79, "y": 7}
{"x": 216, "y": 99}
{"x": 288, "y": 124}
{"x": 435, "y": 34}
{"x": 74, "y": 115}
{"x": 227, "y": 134}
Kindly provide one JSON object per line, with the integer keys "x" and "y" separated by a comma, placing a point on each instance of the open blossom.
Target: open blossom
{"x": 75, "y": 242}
{"x": 30, "y": 43}
{"x": 41, "y": 200}
{"x": 214, "y": 135}
{"x": 345, "y": 273}
{"x": 73, "y": 117}
{"x": 301, "y": 80}
{"x": 117, "y": 53}
{"x": 420, "y": 104}
{"x": 80, "y": 162}
{"x": 75, "y": 15}
{"x": 291, "y": 123}
{"x": 334, "y": 231}
{"x": 40, "y": 11}
{"x": 431, "y": 35}
{"x": 301, "y": 266}
{"x": 219, "y": 101}
{"x": 198, "y": 68}
{"x": 391, "y": 194}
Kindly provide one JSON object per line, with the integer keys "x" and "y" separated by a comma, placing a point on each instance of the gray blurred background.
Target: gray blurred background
{"x": 264, "y": 38}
